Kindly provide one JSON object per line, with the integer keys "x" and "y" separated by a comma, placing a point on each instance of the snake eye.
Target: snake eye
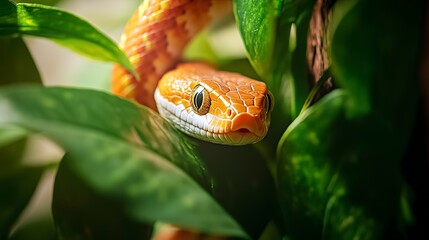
{"x": 200, "y": 100}
{"x": 269, "y": 103}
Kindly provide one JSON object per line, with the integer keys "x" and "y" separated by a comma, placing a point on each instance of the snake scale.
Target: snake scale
{"x": 215, "y": 106}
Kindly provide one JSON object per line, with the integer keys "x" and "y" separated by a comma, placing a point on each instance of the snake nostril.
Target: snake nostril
{"x": 229, "y": 112}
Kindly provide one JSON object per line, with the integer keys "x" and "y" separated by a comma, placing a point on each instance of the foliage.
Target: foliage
{"x": 331, "y": 170}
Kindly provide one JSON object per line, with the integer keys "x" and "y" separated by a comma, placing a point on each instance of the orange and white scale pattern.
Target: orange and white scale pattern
{"x": 238, "y": 110}
{"x": 154, "y": 39}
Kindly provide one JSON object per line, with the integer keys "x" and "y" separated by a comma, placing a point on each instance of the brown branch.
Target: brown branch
{"x": 318, "y": 42}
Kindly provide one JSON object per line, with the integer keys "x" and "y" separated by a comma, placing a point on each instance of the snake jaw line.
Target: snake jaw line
{"x": 237, "y": 111}
{"x": 242, "y": 129}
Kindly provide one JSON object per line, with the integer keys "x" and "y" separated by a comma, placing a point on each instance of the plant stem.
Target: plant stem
{"x": 326, "y": 75}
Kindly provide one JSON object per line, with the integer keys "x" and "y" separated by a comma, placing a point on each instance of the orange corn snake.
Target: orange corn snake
{"x": 220, "y": 107}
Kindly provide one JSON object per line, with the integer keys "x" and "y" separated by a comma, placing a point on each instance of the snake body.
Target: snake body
{"x": 219, "y": 107}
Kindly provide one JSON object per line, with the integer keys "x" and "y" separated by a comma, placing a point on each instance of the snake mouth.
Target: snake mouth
{"x": 244, "y": 130}
{"x": 246, "y": 123}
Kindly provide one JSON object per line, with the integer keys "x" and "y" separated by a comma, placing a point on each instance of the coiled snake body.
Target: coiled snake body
{"x": 219, "y": 107}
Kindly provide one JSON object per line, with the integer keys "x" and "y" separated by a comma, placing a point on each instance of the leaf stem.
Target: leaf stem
{"x": 326, "y": 75}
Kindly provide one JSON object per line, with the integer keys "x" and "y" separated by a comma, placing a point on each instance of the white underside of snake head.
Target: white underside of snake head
{"x": 200, "y": 127}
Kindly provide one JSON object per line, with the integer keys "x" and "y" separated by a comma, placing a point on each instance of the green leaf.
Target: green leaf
{"x": 288, "y": 77}
{"x": 16, "y": 188}
{"x": 299, "y": 201}
{"x": 339, "y": 162}
{"x": 123, "y": 152}
{"x": 79, "y": 210}
{"x": 7, "y": 13}
{"x": 290, "y": 67}
{"x": 378, "y": 65}
{"x": 292, "y": 10}
{"x": 45, "y": 2}
{"x": 11, "y": 134}
{"x": 339, "y": 178}
{"x": 12, "y": 146}
{"x": 281, "y": 59}
{"x": 299, "y": 65}
{"x": 40, "y": 228}
{"x": 256, "y": 20}
{"x": 63, "y": 28}
{"x": 16, "y": 63}
{"x": 243, "y": 184}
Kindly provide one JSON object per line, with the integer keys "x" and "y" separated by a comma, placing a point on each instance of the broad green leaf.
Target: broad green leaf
{"x": 300, "y": 200}
{"x": 339, "y": 178}
{"x": 123, "y": 152}
{"x": 379, "y": 64}
{"x": 78, "y": 208}
{"x": 16, "y": 188}
{"x": 288, "y": 78}
{"x": 256, "y": 20}
{"x": 63, "y": 28}
{"x": 10, "y": 134}
{"x": 125, "y": 120}
{"x": 12, "y": 145}
{"x": 339, "y": 162}
{"x": 7, "y": 13}
{"x": 16, "y": 63}
{"x": 17, "y": 184}
{"x": 243, "y": 184}
{"x": 354, "y": 73}
{"x": 45, "y": 2}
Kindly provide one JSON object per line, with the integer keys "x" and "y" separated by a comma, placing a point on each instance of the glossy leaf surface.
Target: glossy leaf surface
{"x": 339, "y": 168}
{"x": 61, "y": 27}
{"x": 80, "y": 210}
{"x": 333, "y": 179}
{"x": 378, "y": 65}
{"x": 113, "y": 146}
{"x": 256, "y": 20}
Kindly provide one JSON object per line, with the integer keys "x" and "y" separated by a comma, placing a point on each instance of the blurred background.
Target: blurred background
{"x": 59, "y": 66}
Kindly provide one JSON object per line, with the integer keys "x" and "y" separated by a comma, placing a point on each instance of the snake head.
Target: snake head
{"x": 219, "y": 107}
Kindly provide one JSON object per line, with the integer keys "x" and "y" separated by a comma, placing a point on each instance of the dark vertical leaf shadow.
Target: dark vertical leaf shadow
{"x": 16, "y": 63}
{"x": 17, "y": 185}
{"x": 242, "y": 184}
{"x": 80, "y": 210}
